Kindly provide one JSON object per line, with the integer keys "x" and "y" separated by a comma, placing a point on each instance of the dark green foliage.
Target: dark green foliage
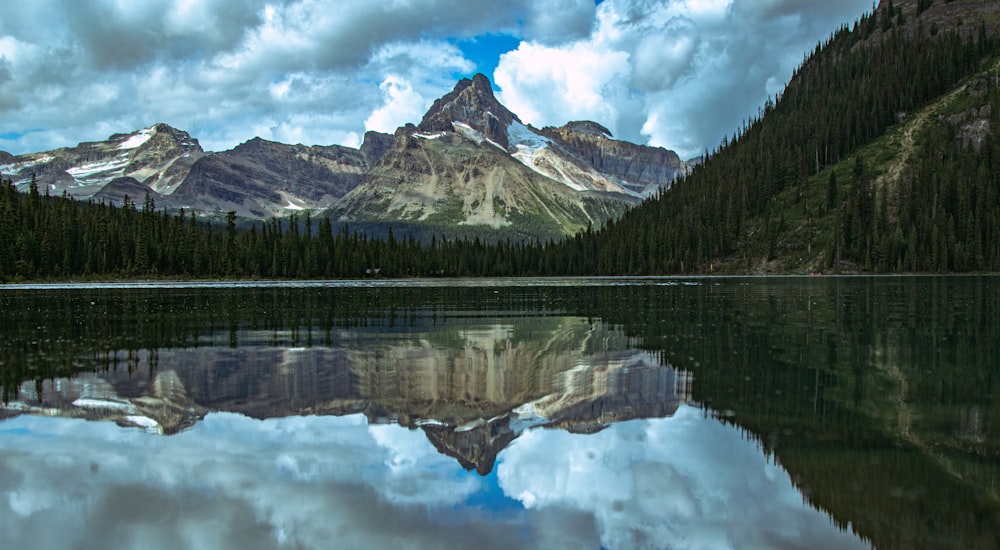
{"x": 950, "y": 206}
{"x": 831, "y": 191}
{"x": 59, "y": 238}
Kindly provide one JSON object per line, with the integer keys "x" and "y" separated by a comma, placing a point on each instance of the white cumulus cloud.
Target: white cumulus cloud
{"x": 675, "y": 73}
{"x": 678, "y": 73}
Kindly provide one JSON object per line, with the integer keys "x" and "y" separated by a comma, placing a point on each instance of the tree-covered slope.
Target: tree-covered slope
{"x": 878, "y": 156}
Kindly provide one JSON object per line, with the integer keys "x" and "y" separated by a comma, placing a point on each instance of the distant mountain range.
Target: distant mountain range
{"x": 469, "y": 163}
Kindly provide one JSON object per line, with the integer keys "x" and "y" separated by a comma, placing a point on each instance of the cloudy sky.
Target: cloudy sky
{"x": 675, "y": 73}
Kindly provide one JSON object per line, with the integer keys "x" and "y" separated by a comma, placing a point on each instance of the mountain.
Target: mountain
{"x": 470, "y": 163}
{"x": 158, "y": 157}
{"x": 641, "y": 168}
{"x": 263, "y": 179}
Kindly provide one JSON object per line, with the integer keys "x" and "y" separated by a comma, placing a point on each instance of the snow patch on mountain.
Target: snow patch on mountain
{"x": 526, "y": 144}
{"x": 475, "y": 135}
{"x": 104, "y": 404}
{"x": 294, "y": 203}
{"x": 18, "y": 167}
{"x": 138, "y": 139}
{"x": 530, "y": 150}
{"x": 99, "y": 172}
{"x": 540, "y": 153}
{"x": 525, "y": 417}
{"x": 146, "y": 423}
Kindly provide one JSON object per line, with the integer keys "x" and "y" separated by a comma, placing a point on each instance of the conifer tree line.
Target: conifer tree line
{"x": 49, "y": 237}
{"x": 944, "y": 216}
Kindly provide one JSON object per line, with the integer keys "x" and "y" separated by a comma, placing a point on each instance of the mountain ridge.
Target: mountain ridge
{"x": 577, "y": 175}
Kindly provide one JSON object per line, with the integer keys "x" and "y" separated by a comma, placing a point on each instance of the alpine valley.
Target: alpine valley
{"x": 470, "y": 166}
{"x": 879, "y": 156}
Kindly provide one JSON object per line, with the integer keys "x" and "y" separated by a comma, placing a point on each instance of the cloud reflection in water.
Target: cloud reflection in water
{"x": 683, "y": 482}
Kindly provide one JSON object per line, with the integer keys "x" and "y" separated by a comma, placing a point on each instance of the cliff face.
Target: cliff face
{"x": 261, "y": 178}
{"x": 375, "y": 145}
{"x": 644, "y": 169}
{"x": 471, "y": 102}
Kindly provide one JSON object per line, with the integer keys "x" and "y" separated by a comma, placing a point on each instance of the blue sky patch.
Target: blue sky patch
{"x": 485, "y": 50}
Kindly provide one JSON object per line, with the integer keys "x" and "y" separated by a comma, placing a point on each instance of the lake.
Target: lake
{"x": 799, "y": 412}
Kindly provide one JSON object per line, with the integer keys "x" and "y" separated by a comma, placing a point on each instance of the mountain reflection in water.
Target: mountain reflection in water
{"x": 471, "y": 396}
{"x": 617, "y": 413}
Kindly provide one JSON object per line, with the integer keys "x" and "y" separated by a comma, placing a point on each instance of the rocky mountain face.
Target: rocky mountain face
{"x": 471, "y": 103}
{"x": 451, "y": 179}
{"x": 158, "y": 158}
{"x": 263, "y": 179}
{"x": 930, "y": 17}
{"x": 117, "y": 189}
{"x": 470, "y": 163}
{"x": 643, "y": 169}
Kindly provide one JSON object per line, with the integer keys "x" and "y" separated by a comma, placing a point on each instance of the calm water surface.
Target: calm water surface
{"x": 581, "y": 413}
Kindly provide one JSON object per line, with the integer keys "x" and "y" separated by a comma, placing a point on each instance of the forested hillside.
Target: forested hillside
{"x": 880, "y": 156}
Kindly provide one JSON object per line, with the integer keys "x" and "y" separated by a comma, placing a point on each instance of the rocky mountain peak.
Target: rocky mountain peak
{"x": 157, "y": 143}
{"x": 587, "y": 127}
{"x": 159, "y": 156}
{"x": 472, "y": 103}
{"x": 375, "y": 145}
{"x": 476, "y": 448}
{"x": 254, "y": 145}
{"x": 157, "y": 136}
{"x": 164, "y": 133}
